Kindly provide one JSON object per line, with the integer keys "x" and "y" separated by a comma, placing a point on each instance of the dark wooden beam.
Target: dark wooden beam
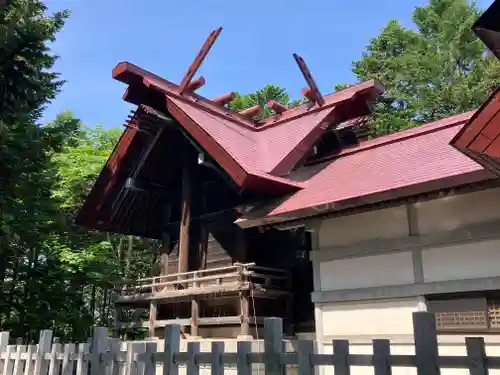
{"x": 277, "y": 107}
{"x": 203, "y": 245}
{"x": 244, "y": 314}
{"x": 153, "y": 313}
{"x": 251, "y": 112}
{"x": 313, "y": 92}
{"x": 224, "y": 99}
{"x": 199, "y": 59}
{"x": 197, "y": 83}
{"x": 185, "y": 217}
{"x": 195, "y": 311}
{"x": 166, "y": 246}
{"x": 195, "y": 315}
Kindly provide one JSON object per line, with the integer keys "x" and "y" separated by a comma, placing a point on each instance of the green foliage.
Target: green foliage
{"x": 52, "y": 274}
{"x": 80, "y": 161}
{"x": 261, "y": 97}
{"x": 25, "y": 60}
{"x": 435, "y": 71}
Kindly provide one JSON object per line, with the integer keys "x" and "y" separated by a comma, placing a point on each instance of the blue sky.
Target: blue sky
{"x": 254, "y": 49}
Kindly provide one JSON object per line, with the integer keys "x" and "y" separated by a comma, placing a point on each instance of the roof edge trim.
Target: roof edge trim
{"x": 314, "y": 212}
{"x": 216, "y": 151}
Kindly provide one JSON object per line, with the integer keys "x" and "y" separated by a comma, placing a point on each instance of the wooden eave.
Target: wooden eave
{"x": 480, "y": 137}
{"x": 487, "y": 28}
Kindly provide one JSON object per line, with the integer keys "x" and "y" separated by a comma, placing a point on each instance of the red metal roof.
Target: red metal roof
{"x": 243, "y": 147}
{"x": 410, "y": 162}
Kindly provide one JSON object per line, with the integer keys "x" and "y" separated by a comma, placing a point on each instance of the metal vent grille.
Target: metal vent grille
{"x": 458, "y": 314}
{"x": 461, "y": 320}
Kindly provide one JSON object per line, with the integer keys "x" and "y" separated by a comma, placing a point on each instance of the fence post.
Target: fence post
{"x": 9, "y": 361}
{"x": 476, "y": 353}
{"x": 114, "y": 348}
{"x": 53, "y": 362}
{"x": 305, "y": 351}
{"x": 192, "y": 367}
{"x": 273, "y": 346}
{"x": 4, "y": 341}
{"x": 44, "y": 346}
{"x": 217, "y": 365}
{"x": 29, "y": 359}
{"x": 18, "y": 364}
{"x": 99, "y": 346}
{"x": 243, "y": 366}
{"x": 67, "y": 363}
{"x": 381, "y": 357}
{"x": 81, "y": 362}
{"x": 340, "y": 357}
{"x": 129, "y": 359}
{"x": 139, "y": 348}
{"x": 171, "y": 348}
{"x": 426, "y": 345}
{"x": 149, "y": 359}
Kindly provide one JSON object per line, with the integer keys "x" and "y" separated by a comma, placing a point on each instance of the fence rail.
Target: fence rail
{"x": 104, "y": 355}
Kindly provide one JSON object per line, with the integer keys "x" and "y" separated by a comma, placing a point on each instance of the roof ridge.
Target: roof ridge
{"x": 413, "y": 132}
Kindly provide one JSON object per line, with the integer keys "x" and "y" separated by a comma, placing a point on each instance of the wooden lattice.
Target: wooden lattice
{"x": 494, "y": 313}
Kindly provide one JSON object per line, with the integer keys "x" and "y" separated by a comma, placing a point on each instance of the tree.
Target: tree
{"x": 26, "y": 170}
{"x": 91, "y": 260}
{"x": 261, "y": 97}
{"x": 435, "y": 71}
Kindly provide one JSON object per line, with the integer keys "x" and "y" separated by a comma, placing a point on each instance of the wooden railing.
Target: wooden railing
{"x": 237, "y": 276}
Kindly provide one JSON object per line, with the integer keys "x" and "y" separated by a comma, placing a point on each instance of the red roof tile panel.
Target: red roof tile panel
{"x": 294, "y": 137}
{"x": 409, "y": 158}
{"x": 240, "y": 142}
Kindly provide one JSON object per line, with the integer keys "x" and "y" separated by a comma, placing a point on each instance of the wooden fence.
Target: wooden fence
{"x": 103, "y": 356}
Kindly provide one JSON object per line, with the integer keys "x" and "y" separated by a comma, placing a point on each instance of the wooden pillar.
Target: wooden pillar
{"x": 195, "y": 310}
{"x": 185, "y": 219}
{"x": 195, "y": 315}
{"x": 241, "y": 246}
{"x": 165, "y": 243}
{"x": 116, "y": 321}
{"x": 244, "y": 314}
{"x": 289, "y": 313}
{"x": 153, "y": 312}
{"x": 164, "y": 255}
{"x": 201, "y": 261}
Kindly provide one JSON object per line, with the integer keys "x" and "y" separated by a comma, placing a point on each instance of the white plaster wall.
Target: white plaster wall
{"x": 374, "y": 319}
{"x": 361, "y": 322}
{"x": 387, "y": 223}
{"x": 366, "y": 321}
{"x": 458, "y": 211}
{"x": 470, "y": 260}
{"x": 367, "y": 271}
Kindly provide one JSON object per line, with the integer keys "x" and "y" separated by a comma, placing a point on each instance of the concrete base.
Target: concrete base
{"x": 244, "y": 337}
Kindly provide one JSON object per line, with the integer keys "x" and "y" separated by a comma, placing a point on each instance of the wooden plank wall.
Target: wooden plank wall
{"x": 217, "y": 256}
